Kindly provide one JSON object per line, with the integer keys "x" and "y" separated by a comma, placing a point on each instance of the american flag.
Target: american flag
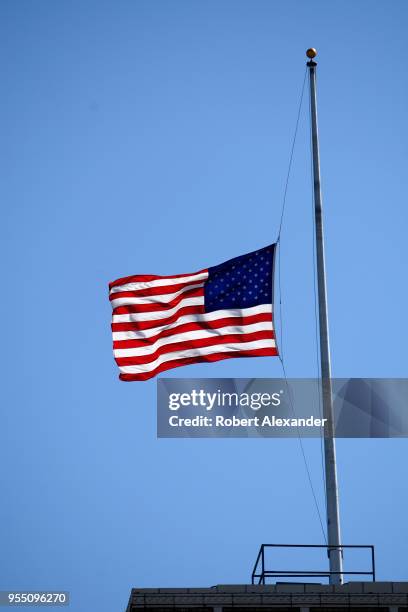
{"x": 162, "y": 322}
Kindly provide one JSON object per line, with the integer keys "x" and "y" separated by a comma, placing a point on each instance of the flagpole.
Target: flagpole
{"x": 332, "y": 497}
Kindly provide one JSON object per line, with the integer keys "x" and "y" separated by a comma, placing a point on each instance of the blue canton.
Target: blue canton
{"x": 241, "y": 282}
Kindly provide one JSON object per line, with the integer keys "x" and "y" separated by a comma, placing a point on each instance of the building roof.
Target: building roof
{"x": 283, "y": 596}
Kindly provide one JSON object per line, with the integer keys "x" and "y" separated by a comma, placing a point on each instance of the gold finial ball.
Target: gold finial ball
{"x": 311, "y": 53}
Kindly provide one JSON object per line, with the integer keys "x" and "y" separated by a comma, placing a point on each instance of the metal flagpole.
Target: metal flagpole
{"x": 332, "y": 498}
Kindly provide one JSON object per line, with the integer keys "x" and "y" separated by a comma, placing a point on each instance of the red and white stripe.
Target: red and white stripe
{"x": 159, "y": 323}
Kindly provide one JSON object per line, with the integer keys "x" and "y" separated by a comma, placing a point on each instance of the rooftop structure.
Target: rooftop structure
{"x": 280, "y": 597}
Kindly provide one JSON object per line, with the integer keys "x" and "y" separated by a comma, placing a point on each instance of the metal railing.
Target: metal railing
{"x": 260, "y": 574}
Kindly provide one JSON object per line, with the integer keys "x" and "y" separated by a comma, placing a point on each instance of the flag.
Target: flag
{"x": 162, "y": 322}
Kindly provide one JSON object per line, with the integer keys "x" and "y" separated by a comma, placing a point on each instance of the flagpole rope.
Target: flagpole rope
{"x": 281, "y": 352}
{"x": 292, "y": 150}
{"x": 291, "y": 157}
{"x": 303, "y": 453}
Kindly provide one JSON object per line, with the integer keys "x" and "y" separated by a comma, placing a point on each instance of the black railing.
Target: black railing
{"x": 260, "y": 574}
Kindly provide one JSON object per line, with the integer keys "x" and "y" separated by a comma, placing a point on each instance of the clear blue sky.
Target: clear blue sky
{"x": 154, "y": 137}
